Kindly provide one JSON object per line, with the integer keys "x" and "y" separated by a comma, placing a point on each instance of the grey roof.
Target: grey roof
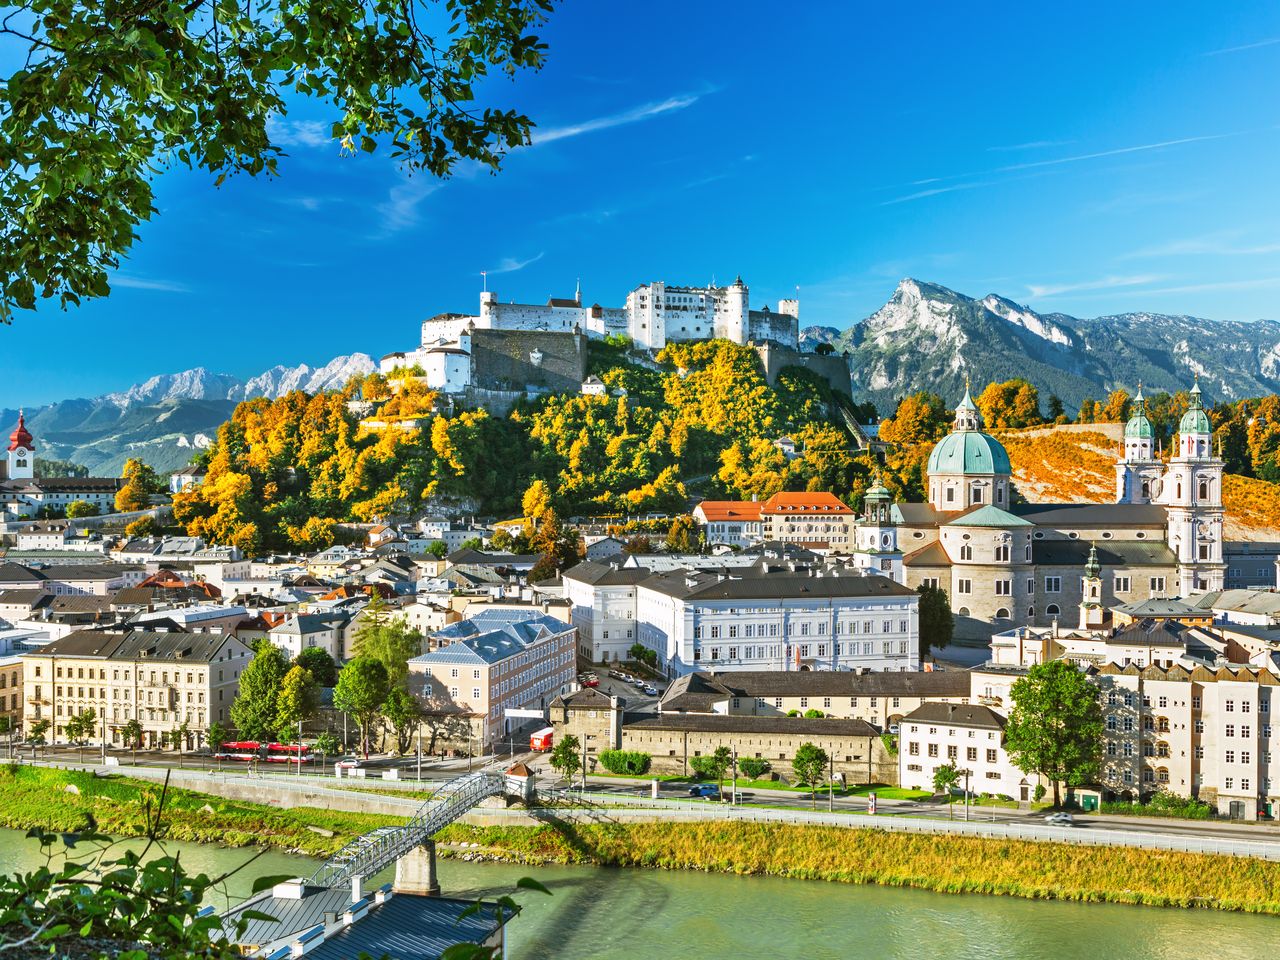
{"x": 956, "y": 715}
{"x": 590, "y": 698}
{"x": 606, "y": 574}
{"x": 1093, "y": 514}
{"x": 1160, "y": 633}
{"x": 718, "y": 723}
{"x": 291, "y": 916}
{"x": 918, "y": 514}
{"x": 696, "y": 692}
{"x": 31, "y": 597}
{"x": 410, "y": 927}
{"x": 775, "y": 585}
{"x": 17, "y": 573}
{"x": 176, "y": 646}
{"x": 474, "y": 557}
{"x": 1157, "y": 607}
{"x": 1114, "y": 553}
{"x": 82, "y": 643}
{"x": 492, "y": 635}
{"x": 1261, "y": 602}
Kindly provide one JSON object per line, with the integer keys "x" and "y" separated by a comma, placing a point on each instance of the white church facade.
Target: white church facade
{"x": 1007, "y": 563}
{"x": 23, "y": 494}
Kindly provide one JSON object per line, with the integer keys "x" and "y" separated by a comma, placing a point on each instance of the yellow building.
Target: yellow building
{"x": 165, "y": 681}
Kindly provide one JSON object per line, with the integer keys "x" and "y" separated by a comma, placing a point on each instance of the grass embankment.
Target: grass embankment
{"x": 947, "y": 864}
{"x": 36, "y": 797}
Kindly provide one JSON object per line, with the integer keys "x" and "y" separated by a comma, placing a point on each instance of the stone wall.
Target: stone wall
{"x": 860, "y": 759}
{"x": 504, "y": 360}
{"x": 834, "y": 369}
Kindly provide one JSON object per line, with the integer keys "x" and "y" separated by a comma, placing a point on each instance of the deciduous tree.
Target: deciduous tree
{"x": 255, "y": 711}
{"x": 1055, "y": 727}
{"x": 297, "y": 701}
{"x": 810, "y": 764}
{"x": 566, "y": 756}
{"x": 319, "y": 664}
{"x": 140, "y": 482}
{"x": 361, "y": 692}
{"x": 937, "y": 623}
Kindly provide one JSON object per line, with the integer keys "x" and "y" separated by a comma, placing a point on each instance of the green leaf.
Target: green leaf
{"x": 528, "y": 883}
{"x": 263, "y": 883}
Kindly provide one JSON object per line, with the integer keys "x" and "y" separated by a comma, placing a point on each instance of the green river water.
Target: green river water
{"x": 630, "y": 915}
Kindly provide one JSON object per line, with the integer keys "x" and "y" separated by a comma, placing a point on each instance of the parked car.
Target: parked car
{"x": 591, "y": 681}
{"x": 1060, "y": 820}
{"x": 894, "y": 729}
{"x": 638, "y": 682}
{"x": 349, "y": 763}
{"x": 649, "y": 691}
{"x": 708, "y": 791}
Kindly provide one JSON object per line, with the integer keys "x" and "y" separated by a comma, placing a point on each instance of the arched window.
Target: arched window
{"x": 1178, "y": 491}
{"x": 1031, "y": 612}
{"x": 962, "y": 612}
{"x": 966, "y": 552}
{"x": 975, "y": 494}
{"x": 1204, "y": 489}
{"x": 1146, "y": 488}
{"x": 1002, "y": 613}
{"x": 999, "y": 493}
{"x": 1052, "y": 610}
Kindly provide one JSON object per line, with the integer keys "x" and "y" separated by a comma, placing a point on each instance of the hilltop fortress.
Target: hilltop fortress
{"x": 521, "y": 346}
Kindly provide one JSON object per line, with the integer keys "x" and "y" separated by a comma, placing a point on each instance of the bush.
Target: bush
{"x": 814, "y": 714}
{"x": 793, "y": 713}
{"x": 632, "y": 762}
{"x": 1040, "y": 792}
{"x": 753, "y": 767}
{"x": 1163, "y": 805}
{"x": 890, "y": 743}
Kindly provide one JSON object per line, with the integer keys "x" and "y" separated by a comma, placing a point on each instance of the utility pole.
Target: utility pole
{"x": 831, "y": 778}
{"x": 966, "y": 795}
{"x": 733, "y": 792}
{"x": 299, "y": 763}
{"x": 418, "y": 730}
{"x": 584, "y": 763}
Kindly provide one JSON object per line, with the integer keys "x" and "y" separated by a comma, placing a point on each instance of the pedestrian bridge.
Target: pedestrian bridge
{"x": 379, "y": 849}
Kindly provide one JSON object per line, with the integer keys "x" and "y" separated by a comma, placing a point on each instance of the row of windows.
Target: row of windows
{"x": 805, "y": 650}
{"x": 970, "y": 753}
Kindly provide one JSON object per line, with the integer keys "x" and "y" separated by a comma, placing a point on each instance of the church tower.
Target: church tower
{"x": 1092, "y": 612}
{"x": 1138, "y": 470}
{"x": 877, "y": 534}
{"x": 22, "y": 452}
{"x": 1193, "y": 495}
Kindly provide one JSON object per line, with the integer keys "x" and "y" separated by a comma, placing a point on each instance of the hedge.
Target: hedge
{"x": 632, "y": 762}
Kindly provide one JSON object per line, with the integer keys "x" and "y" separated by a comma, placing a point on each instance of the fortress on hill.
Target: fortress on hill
{"x": 519, "y": 346}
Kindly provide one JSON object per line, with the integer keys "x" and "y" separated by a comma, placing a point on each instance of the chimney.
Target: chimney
{"x": 356, "y": 894}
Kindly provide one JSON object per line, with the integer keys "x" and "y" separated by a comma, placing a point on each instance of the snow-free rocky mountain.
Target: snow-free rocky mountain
{"x": 929, "y": 337}
{"x": 169, "y": 417}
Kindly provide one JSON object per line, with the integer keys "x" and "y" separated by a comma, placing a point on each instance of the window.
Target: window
{"x": 914, "y": 749}
{"x": 1229, "y": 756}
{"x": 1230, "y": 706}
{"x": 991, "y": 756}
{"x": 971, "y": 754}
{"x": 951, "y": 751}
{"x": 1111, "y": 723}
{"x": 1245, "y": 706}
{"x": 1231, "y": 729}
{"x": 1004, "y": 588}
{"x": 1121, "y": 585}
{"x": 966, "y": 552}
{"x": 1052, "y": 610}
{"x": 933, "y": 749}
{"x": 964, "y": 586}
{"x": 1052, "y": 584}
{"x": 1157, "y": 584}
{"x": 1002, "y": 553}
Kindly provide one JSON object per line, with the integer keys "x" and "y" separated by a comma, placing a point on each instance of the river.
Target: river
{"x": 641, "y": 915}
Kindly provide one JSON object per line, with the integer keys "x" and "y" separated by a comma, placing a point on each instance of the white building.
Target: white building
{"x": 732, "y": 523}
{"x": 969, "y": 737}
{"x": 603, "y": 596}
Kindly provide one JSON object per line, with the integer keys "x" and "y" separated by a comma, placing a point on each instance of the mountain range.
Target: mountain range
{"x": 168, "y": 418}
{"x": 929, "y": 337}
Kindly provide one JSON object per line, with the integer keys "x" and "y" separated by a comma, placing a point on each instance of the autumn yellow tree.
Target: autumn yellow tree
{"x": 140, "y": 482}
{"x": 920, "y": 417}
{"x": 1013, "y": 403}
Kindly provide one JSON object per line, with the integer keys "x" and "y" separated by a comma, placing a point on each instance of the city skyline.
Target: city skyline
{"x": 1125, "y": 169}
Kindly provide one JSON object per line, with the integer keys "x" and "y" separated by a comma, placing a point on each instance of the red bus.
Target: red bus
{"x": 541, "y": 740}
{"x": 288, "y": 753}
{"x": 242, "y": 750}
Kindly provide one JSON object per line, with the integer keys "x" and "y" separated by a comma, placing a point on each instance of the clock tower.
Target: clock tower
{"x": 22, "y": 453}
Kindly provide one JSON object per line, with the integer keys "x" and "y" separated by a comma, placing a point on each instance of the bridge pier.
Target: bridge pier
{"x": 416, "y": 871}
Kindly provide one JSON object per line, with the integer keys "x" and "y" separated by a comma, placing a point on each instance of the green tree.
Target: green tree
{"x": 566, "y": 756}
{"x": 81, "y": 508}
{"x": 37, "y": 732}
{"x": 81, "y": 727}
{"x": 108, "y": 96}
{"x": 254, "y": 712}
{"x": 142, "y": 527}
{"x": 809, "y": 764}
{"x": 1054, "y": 411}
{"x": 140, "y": 482}
{"x": 937, "y": 623}
{"x": 215, "y": 737}
{"x": 361, "y": 691}
{"x": 131, "y": 735}
{"x": 327, "y": 745}
{"x": 438, "y": 549}
{"x": 388, "y": 639}
{"x": 403, "y": 712}
{"x": 471, "y": 543}
{"x": 297, "y": 701}
{"x": 1055, "y": 727}
{"x": 945, "y": 777}
{"x": 319, "y": 664}
{"x": 713, "y": 766}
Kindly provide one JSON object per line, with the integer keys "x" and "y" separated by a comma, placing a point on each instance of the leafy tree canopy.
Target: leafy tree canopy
{"x": 109, "y": 95}
{"x": 1055, "y": 727}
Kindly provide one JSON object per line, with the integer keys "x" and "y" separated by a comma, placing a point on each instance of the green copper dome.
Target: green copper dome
{"x": 1139, "y": 427}
{"x": 969, "y": 451}
{"x": 1195, "y": 420}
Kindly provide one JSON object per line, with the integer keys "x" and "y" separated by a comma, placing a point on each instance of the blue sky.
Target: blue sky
{"x": 1087, "y": 158}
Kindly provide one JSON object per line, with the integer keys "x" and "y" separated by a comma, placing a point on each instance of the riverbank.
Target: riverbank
{"x": 70, "y": 800}
{"x": 945, "y": 864}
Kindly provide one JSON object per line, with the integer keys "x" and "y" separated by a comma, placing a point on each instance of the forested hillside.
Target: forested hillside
{"x": 702, "y": 420}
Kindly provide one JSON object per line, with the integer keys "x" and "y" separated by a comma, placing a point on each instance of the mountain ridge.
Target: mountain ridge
{"x": 928, "y": 336}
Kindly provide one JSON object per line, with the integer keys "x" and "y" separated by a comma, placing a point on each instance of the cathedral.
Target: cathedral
{"x": 1006, "y": 563}
{"x": 24, "y": 495}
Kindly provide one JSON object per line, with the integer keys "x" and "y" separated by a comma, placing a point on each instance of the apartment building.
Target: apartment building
{"x": 820, "y": 521}
{"x": 881, "y": 699}
{"x": 165, "y": 681}
{"x": 497, "y": 660}
{"x": 970, "y": 737}
{"x": 603, "y": 599}
{"x": 732, "y": 523}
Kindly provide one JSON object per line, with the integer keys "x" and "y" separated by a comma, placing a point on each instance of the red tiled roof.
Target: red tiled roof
{"x": 817, "y": 504}
{"x": 21, "y": 437}
{"x": 714, "y": 511}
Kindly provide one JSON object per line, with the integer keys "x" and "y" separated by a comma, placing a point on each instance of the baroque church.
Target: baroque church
{"x": 23, "y": 494}
{"x": 1005, "y": 563}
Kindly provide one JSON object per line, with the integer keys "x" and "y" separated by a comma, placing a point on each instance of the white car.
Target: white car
{"x": 1060, "y": 820}
{"x": 349, "y": 763}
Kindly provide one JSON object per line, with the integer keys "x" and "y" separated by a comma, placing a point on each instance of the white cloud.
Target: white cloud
{"x": 1106, "y": 283}
{"x": 1215, "y": 244}
{"x": 1030, "y": 145}
{"x": 400, "y": 210}
{"x": 634, "y": 115}
{"x": 511, "y": 264}
{"x": 298, "y": 133}
{"x": 1269, "y": 42}
{"x": 1118, "y": 151}
{"x": 142, "y": 283}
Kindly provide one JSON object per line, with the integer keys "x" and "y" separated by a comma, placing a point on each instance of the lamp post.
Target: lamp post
{"x": 966, "y": 773}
